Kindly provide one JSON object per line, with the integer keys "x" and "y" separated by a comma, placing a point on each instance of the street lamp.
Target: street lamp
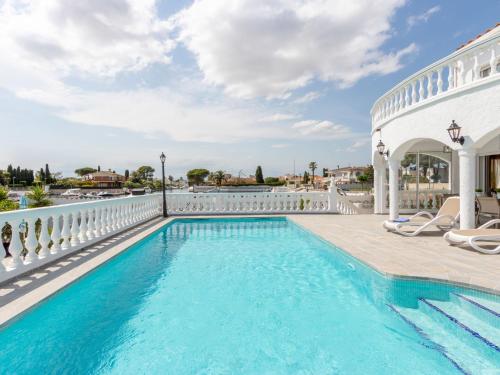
{"x": 162, "y": 159}
{"x": 454, "y": 132}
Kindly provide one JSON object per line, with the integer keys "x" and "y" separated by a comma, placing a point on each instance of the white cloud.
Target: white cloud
{"x": 309, "y": 97}
{"x": 322, "y": 129}
{"x": 423, "y": 17}
{"x": 279, "y": 117}
{"x": 269, "y": 48}
{"x": 358, "y": 144}
{"x": 87, "y": 37}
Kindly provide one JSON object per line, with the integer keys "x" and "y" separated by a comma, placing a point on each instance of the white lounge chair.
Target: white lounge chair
{"x": 445, "y": 219}
{"x": 471, "y": 237}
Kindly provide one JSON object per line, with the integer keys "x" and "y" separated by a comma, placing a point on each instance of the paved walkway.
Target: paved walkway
{"x": 426, "y": 256}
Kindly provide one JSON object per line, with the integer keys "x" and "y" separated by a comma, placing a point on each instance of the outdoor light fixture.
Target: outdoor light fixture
{"x": 162, "y": 159}
{"x": 381, "y": 146}
{"x": 454, "y": 132}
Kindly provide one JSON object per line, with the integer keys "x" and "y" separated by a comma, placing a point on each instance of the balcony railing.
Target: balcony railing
{"x": 464, "y": 68}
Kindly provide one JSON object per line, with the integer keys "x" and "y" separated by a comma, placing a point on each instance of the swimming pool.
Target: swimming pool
{"x": 250, "y": 296}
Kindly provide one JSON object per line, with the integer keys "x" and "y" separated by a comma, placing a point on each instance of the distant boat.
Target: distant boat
{"x": 72, "y": 193}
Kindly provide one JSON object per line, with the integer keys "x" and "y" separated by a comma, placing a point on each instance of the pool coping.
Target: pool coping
{"x": 29, "y": 300}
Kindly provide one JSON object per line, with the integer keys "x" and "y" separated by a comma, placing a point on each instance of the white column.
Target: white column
{"x": 467, "y": 161}
{"x": 393, "y": 188}
{"x": 379, "y": 189}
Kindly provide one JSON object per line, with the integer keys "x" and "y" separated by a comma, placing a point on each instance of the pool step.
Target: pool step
{"x": 485, "y": 307}
{"x": 456, "y": 333}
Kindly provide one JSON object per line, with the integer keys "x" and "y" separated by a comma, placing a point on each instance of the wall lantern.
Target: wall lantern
{"x": 381, "y": 146}
{"x": 454, "y": 132}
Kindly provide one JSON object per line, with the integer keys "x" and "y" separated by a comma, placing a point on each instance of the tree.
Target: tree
{"x": 127, "y": 174}
{"x": 325, "y": 172}
{"x": 143, "y": 173}
{"x": 85, "y": 170}
{"x": 273, "y": 181}
{"x": 259, "y": 177}
{"x": 313, "y": 166}
{"x": 362, "y": 178}
{"x": 197, "y": 176}
{"x": 41, "y": 175}
{"x": 305, "y": 179}
{"x": 98, "y": 168}
{"x": 48, "y": 176}
{"x": 218, "y": 177}
{"x": 38, "y": 197}
{"x": 368, "y": 172}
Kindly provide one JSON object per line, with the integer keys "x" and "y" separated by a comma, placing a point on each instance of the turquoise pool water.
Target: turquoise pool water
{"x": 240, "y": 296}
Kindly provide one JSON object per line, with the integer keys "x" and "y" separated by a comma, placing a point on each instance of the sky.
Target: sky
{"x": 216, "y": 84}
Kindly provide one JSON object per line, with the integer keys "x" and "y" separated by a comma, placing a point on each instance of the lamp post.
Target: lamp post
{"x": 162, "y": 159}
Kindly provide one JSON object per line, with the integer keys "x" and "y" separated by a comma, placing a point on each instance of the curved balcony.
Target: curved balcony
{"x": 475, "y": 64}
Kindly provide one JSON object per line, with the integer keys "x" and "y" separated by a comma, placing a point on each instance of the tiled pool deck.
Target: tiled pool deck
{"x": 427, "y": 256}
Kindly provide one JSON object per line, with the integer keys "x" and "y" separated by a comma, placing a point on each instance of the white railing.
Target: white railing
{"x": 457, "y": 71}
{"x": 427, "y": 200}
{"x": 250, "y": 203}
{"x": 38, "y": 236}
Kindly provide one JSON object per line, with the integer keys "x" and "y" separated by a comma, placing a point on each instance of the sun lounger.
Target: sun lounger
{"x": 445, "y": 219}
{"x": 476, "y": 237}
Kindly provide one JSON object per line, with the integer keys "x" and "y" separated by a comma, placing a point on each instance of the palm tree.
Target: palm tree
{"x": 313, "y": 166}
{"x": 218, "y": 177}
{"x": 38, "y": 196}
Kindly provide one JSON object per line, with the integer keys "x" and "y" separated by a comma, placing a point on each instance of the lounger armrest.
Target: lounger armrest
{"x": 489, "y": 223}
{"x": 422, "y": 213}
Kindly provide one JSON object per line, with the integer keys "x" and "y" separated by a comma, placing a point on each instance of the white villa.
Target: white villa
{"x": 446, "y": 114}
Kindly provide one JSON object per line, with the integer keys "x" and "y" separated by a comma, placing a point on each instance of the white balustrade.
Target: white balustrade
{"x": 42, "y": 235}
{"x": 460, "y": 70}
{"x": 427, "y": 200}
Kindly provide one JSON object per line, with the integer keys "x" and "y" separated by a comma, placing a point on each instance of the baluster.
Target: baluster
{"x": 65, "y": 232}
{"x": 451, "y": 76}
{"x": 461, "y": 73}
{"x": 407, "y": 96}
{"x": 493, "y": 60}
{"x": 421, "y": 89}
{"x": 55, "y": 236}
{"x": 90, "y": 225}
{"x": 397, "y": 102}
{"x": 114, "y": 219}
{"x": 44, "y": 238}
{"x": 109, "y": 219}
{"x": 98, "y": 223}
{"x": 475, "y": 69}
{"x": 75, "y": 230}
{"x": 430, "y": 86}
{"x": 104, "y": 221}
{"x": 439, "y": 80}
{"x": 82, "y": 235}
{"x": 413, "y": 92}
{"x": 16, "y": 246}
{"x": 31, "y": 242}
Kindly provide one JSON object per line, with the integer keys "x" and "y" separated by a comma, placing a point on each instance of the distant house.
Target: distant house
{"x": 105, "y": 179}
{"x": 345, "y": 175}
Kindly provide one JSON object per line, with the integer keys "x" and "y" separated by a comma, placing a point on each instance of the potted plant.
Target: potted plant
{"x": 479, "y": 192}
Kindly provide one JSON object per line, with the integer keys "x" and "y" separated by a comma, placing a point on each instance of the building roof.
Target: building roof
{"x": 493, "y": 30}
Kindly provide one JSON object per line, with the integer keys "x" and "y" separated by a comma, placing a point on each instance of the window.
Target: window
{"x": 485, "y": 71}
